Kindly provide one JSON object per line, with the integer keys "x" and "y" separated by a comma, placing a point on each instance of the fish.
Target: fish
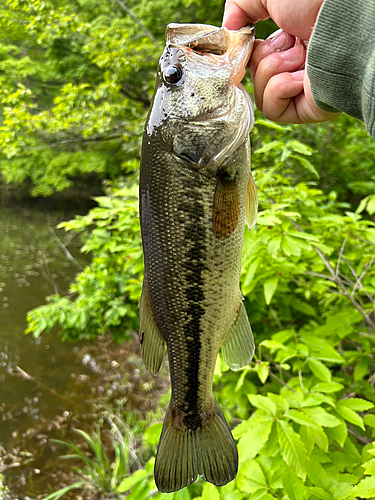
{"x": 196, "y": 193}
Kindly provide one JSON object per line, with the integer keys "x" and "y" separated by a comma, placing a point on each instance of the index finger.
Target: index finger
{"x": 240, "y": 13}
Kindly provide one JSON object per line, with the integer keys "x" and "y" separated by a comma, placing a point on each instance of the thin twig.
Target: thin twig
{"x": 276, "y": 365}
{"x": 280, "y": 381}
{"x": 340, "y": 256}
{"x": 334, "y": 278}
{"x": 358, "y": 436}
{"x": 358, "y": 283}
{"x": 66, "y": 252}
{"x": 137, "y": 21}
{"x": 80, "y": 139}
{"x": 52, "y": 391}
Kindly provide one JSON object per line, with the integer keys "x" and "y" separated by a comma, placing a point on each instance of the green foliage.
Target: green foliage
{"x": 105, "y": 295}
{"x": 3, "y": 489}
{"x": 76, "y": 79}
{"x": 307, "y": 400}
{"x": 100, "y": 473}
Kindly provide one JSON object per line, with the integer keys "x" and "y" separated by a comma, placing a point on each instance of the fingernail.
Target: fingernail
{"x": 297, "y": 75}
{"x": 293, "y": 55}
{"x": 280, "y": 41}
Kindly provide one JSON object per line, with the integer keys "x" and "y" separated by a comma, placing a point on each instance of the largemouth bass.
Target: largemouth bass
{"x": 196, "y": 191}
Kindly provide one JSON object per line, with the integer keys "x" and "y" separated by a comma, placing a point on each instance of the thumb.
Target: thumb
{"x": 238, "y": 13}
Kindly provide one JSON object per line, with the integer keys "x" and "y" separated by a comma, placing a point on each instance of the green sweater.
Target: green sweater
{"x": 341, "y": 59}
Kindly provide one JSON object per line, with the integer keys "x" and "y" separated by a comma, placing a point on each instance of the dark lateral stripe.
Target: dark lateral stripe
{"x": 194, "y": 234}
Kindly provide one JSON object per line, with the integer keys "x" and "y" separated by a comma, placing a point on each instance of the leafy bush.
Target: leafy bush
{"x": 306, "y": 401}
{"x": 105, "y": 295}
{"x": 99, "y": 473}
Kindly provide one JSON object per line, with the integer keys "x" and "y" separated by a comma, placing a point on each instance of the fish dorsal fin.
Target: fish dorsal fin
{"x": 151, "y": 341}
{"x": 251, "y": 211}
{"x": 238, "y": 345}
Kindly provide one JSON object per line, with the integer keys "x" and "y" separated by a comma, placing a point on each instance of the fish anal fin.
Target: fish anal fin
{"x": 151, "y": 341}
{"x": 208, "y": 450}
{"x": 251, "y": 210}
{"x": 226, "y": 208}
{"x": 238, "y": 345}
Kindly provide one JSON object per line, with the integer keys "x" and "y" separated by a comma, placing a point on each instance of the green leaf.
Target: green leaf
{"x": 341, "y": 491}
{"x": 293, "y": 485}
{"x": 263, "y": 403}
{"x": 319, "y": 369}
{"x": 132, "y": 480}
{"x": 254, "y": 438}
{"x": 274, "y": 246}
{"x": 270, "y": 286}
{"x": 369, "y": 467}
{"x": 339, "y": 433}
{"x": 322, "y": 417}
{"x": 250, "y": 477}
{"x": 58, "y": 494}
{"x": 327, "y": 387}
{"x": 209, "y": 492}
{"x": 292, "y": 448}
{"x": 369, "y": 420}
{"x": 322, "y": 349}
{"x": 299, "y": 147}
{"x": 152, "y": 433}
{"x": 317, "y": 475}
{"x": 350, "y": 415}
{"x": 361, "y": 369}
{"x": 364, "y": 489}
{"x": 301, "y": 418}
{"x": 308, "y": 165}
{"x": 319, "y": 493}
{"x": 262, "y": 370}
{"x": 356, "y": 404}
{"x": 184, "y": 495}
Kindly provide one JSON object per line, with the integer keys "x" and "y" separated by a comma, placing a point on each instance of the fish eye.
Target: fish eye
{"x": 173, "y": 74}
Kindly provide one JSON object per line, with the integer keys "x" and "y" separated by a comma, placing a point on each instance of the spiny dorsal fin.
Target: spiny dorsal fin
{"x": 151, "y": 341}
{"x": 251, "y": 211}
{"x": 238, "y": 345}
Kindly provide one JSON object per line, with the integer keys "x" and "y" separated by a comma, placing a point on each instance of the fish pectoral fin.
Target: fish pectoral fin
{"x": 226, "y": 208}
{"x": 238, "y": 345}
{"x": 208, "y": 450}
{"x": 251, "y": 210}
{"x": 151, "y": 342}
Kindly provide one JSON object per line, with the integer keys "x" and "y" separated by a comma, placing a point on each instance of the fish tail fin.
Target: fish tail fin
{"x": 208, "y": 450}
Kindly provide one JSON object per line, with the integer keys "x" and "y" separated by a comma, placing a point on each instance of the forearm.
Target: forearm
{"x": 341, "y": 59}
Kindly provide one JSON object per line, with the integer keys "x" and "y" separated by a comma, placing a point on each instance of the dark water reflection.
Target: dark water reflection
{"x": 32, "y": 265}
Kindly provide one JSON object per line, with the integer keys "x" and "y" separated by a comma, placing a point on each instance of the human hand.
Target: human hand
{"x": 281, "y": 84}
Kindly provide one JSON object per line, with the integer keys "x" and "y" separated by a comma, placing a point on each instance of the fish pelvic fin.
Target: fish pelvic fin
{"x": 238, "y": 345}
{"x": 208, "y": 450}
{"x": 251, "y": 211}
{"x": 150, "y": 339}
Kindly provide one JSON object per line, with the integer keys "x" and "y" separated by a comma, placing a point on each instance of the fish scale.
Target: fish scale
{"x": 196, "y": 190}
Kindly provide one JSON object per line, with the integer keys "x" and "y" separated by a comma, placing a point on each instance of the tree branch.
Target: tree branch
{"x": 80, "y": 139}
{"x": 335, "y": 278}
{"x": 66, "y": 252}
{"x": 136, "y": 20}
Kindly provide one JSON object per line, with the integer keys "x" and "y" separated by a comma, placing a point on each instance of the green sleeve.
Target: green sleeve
{"x": 341, "y": 59}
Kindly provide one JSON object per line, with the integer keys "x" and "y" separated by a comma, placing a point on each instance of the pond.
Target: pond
{"x": 49, "y": 388}
{"x": 32, "y": 266}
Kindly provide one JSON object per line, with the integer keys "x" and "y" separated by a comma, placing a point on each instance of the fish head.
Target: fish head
{"x": 200, "y": 109}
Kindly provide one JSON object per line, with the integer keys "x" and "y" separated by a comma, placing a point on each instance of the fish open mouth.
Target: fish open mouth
{"x": 234, "y": 46}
